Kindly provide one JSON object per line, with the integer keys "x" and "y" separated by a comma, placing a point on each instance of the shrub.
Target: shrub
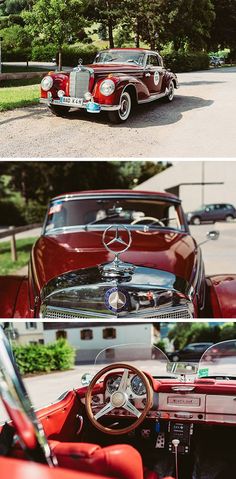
{"x": 10, "y": 214}
{"x": 16, "y": 54}
{"x": 33, "y": 358}
{"x": 186, "y": 61}
{"x": 71, "y": 54}
{"x": 43, "y": 53}
{"x": 34, "y": 212}
{"x": 7, "y": 21}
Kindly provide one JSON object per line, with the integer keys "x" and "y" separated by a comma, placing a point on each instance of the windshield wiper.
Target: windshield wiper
{"x": 114, "y": 215}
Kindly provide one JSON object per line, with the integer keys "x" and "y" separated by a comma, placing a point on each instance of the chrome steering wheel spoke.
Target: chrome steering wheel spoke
{"x": 107, "y": 408}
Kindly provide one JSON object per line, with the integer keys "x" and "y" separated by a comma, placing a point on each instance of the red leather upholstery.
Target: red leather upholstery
{"x": 120, "y": 461}
{"x": 19, "y": 469}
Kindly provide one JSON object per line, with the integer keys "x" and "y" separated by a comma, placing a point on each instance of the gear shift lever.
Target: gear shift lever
{"x": 175, "y": 443}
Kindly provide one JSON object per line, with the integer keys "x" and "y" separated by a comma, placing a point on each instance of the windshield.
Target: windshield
{"x": 120, "y": 56}
{"x": 64, "y": 215}
{"x": 219, "y": 361}
{"x": 145, "y": 356}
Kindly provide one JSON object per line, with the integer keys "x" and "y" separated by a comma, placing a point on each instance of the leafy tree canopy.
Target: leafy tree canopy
{"x": 41, "y": 180}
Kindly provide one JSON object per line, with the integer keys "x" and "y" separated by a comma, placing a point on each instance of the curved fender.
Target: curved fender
{"x": 121, "y": 82}
{"x": 14, "y": 302}
{"x": 222, "y": 295}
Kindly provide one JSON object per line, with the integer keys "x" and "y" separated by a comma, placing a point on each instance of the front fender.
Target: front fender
{"x": 121, "y": 82}
{"x": 14, "y": 297}
{"x": 221, "y": 292}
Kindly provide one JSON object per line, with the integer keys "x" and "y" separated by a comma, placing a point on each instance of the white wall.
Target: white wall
{"x": 26, "y": 335}
{"x": 134, "y": 333}
{"x": 196, "y": 171}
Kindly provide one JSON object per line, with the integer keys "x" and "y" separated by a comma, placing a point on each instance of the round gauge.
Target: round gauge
{"x": 113, "y": 383}
{"x": 137, "y": 386}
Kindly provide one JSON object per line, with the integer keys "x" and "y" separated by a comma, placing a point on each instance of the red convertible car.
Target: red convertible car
{"x": 156, "y": 422}
{"x": 117, "y": 254}
{"x": 116, "y": 81}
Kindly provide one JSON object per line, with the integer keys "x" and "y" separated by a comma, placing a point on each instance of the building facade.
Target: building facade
{"x": 196, "y": 182}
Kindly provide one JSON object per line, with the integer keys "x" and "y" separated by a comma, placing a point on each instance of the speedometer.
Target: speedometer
{"x": 113, "y": 383}
{"x": 137, "y": 386}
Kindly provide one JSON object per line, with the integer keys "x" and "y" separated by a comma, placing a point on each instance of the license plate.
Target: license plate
{"x": 68, "y": 100}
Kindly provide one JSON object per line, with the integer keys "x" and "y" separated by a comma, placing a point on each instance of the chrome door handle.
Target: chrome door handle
{"x": 147, "y": 74}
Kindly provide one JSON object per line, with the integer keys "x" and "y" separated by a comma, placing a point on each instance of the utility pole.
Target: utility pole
{"x": 203, "y": 182}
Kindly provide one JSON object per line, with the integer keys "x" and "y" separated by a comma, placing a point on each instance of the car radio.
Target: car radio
{"x": 181, "y": 432}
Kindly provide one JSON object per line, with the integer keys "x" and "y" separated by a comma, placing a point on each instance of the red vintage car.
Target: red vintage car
{"x": 117, "y": 254}
{"x": 126, "y": 422}
{"x": 116, "y": 81}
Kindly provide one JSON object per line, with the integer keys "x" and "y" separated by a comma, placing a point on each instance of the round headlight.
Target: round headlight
{"x": 107, "y": 87}
{"x": 46, "y": 83}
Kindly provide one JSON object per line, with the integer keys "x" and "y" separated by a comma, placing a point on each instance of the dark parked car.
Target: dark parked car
{"x": 212, "y": 213}
{"x": 191, "y": 352}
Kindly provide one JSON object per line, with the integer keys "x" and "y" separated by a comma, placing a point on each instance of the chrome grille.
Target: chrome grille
{"x": 79, "y": 83}
{"x": 54, "y": 313}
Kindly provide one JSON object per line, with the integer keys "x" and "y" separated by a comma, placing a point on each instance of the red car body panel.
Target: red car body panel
{"x": 222, "y": 293}
{"x": 145, "y": 82}
{"x": 162, "y": 250}
{"x": 166, "y": 251}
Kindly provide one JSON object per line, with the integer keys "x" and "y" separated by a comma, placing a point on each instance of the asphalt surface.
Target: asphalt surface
{"x": 199, "y": 123}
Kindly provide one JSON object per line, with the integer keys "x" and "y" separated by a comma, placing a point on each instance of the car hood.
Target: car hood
{"x": 163, "y": 250}
{"x": 106, "y": 68}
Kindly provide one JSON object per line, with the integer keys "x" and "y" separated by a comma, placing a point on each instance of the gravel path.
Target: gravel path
{"x": 199, "y": 123}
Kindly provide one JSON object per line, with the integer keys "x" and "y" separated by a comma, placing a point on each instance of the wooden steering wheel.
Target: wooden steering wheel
{"x": 149, "y": 218}
{"x": 119, "y": 399}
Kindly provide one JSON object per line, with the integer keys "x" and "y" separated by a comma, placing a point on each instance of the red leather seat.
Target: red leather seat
{"x": 120, "y": 461}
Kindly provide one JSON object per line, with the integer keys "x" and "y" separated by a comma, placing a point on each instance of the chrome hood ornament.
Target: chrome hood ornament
{"x": 116, "y": 244}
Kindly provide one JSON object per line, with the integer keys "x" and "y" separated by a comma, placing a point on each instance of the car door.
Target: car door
{"x": 153, "y": 73}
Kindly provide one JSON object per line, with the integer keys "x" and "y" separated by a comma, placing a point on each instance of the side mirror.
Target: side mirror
{"x": 213, "y": 235}
{"x": 86, "y": 379}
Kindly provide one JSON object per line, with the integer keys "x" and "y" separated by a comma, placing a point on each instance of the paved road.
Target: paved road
{"x": 199, "y": 123}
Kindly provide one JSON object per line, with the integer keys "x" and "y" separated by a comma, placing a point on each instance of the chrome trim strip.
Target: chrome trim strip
{"x": 152, "y": 98}
{"x": 57, "y": 102}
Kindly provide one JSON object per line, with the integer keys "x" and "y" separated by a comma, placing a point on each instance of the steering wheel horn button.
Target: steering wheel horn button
{"x": 118, "y": 399}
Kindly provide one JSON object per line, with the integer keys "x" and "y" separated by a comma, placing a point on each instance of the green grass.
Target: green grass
{"x": 15, "y": 97}
{"x": 7, "y": 266}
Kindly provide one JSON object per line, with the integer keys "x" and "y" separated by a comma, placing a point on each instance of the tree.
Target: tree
{"x": 224, "y": 27}
{"x": 184, "y": 333}
{"x": 106, "y": 12}
{"x": 41, "y": 180}
{"x": 187, "y": 23}
{"x": 55, "y": 21}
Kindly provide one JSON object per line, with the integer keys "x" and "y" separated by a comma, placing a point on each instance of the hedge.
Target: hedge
{"x": 35, "y": 358}
{"x": 70, "y": 54}
{"x": 34, "y": 212}
{"x": 16, "y": 55}
{"x": 10, "y": 214}
{"x": 186, "y": 62}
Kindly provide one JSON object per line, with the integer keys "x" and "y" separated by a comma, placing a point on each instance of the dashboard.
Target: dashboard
{"x": 173, "y": 400}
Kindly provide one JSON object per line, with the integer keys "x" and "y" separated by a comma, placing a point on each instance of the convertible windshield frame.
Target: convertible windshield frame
{"x": 127, "y": 208}
{"x": 122, "y": 53}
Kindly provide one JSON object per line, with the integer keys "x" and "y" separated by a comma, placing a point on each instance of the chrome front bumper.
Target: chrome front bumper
{"x": 48, "y": 102}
